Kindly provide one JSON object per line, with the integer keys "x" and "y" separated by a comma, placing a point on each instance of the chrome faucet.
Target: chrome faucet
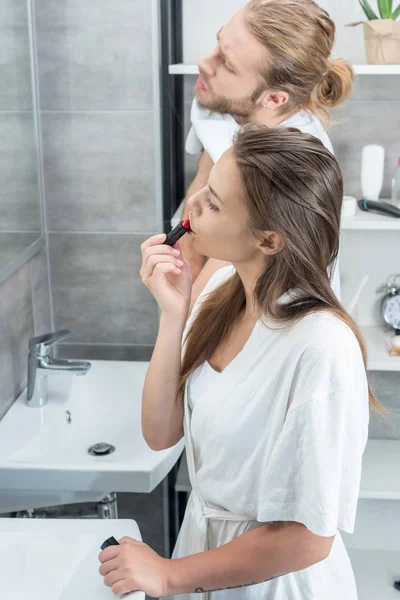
{"x": 41, "y": 364}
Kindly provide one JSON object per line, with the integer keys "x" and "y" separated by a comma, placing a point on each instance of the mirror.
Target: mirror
{"x": 20, "y": 186}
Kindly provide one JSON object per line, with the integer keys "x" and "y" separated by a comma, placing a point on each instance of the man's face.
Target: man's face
{"x": 229, "y": 80}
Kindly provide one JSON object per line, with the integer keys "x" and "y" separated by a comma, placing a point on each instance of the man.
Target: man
{"x": 269, "y": 59}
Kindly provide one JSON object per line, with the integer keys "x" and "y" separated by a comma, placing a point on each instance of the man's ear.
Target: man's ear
{"x": 273, "y": 100}
{"x": 271, "y": 242}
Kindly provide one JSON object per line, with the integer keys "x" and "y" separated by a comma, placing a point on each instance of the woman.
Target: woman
{"x": 271, "y": 393}
{"x": 271, "y": 66}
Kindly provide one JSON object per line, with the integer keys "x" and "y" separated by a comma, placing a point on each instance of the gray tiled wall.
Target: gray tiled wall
{"x": 24, "y": 297}
{"x": 95, "y": 73}
{"x": 24, "y": 312}
{"x": 19, "y": 207}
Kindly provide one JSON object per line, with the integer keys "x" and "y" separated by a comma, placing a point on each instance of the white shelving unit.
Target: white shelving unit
{"x": 379, "y": 358}
{"x": 186, "y": 69}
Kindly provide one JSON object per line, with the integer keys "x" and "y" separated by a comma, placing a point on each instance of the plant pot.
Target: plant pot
{"x": 382, "y": 41}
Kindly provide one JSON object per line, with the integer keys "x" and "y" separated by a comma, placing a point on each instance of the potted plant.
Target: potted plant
{"x": 381, "y": 33}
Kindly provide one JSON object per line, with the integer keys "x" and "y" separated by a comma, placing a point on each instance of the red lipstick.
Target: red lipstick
{"x": 177, "y": 232}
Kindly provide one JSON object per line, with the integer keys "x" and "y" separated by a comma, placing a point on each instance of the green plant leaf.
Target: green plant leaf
{"x": 396, "y": 13}
{"x": 365, "y": 5}
{"x": 385, "y": 8}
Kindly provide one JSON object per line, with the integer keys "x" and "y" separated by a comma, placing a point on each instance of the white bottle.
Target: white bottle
{"x": 396, "y": 185}
{"x": 372, "y": 167}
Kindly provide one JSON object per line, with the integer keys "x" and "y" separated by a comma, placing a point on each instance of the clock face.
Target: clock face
{"x": 391, "y": 311}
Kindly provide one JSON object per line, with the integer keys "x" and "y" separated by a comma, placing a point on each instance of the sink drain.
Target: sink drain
{"x": 101, "y": 449}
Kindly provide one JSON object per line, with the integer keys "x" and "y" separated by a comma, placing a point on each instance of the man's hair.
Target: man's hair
{"x": 298, "y": 36}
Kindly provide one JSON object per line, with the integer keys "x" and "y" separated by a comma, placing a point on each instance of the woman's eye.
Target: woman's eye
{"x": 211, "y": 206}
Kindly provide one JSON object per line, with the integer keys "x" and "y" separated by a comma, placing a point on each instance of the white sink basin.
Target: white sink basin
{"x": 57, "y": 559}
{"x": 44, "y": 459}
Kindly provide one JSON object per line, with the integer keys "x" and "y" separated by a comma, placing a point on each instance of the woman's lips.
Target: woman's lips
{"x": 200, "y": 84}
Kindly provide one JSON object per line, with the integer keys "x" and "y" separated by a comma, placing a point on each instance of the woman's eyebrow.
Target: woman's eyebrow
{"x": 214, "y": 193}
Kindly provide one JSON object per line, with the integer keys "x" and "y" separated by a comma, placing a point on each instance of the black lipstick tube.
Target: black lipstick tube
{"x": 177, "y": 232}
{"x": 111, "y": 541}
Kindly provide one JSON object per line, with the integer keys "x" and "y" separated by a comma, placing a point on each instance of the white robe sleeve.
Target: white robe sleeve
{"x": 313, "y": 474}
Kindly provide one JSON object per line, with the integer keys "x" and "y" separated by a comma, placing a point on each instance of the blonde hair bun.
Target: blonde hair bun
{"x": 335, "y": 89}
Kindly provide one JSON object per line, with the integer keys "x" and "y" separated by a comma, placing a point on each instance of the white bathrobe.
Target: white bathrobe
{"x": 278, "y": 436}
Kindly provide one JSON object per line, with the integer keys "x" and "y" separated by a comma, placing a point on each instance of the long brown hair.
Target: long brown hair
{"x": 291, "y": 185}
{"x": 298, "y": 36}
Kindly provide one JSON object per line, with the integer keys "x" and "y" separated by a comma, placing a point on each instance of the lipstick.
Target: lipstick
{"x": 111, "y": 541}
{"x": 177, "y": 232}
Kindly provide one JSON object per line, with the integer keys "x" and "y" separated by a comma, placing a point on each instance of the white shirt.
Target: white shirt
{"x": 214, "y": 132}
{"x": 278, "y": 436}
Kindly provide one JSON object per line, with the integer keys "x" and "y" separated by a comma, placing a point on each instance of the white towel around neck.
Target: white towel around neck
{"x": 214, "y": 132}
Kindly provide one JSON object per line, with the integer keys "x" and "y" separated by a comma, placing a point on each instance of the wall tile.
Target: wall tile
{"x": 94, "y": 55}
{"x": 364, "y": 123}
{"x": 13, "y": 244}
{"x": 97, "y": 291}
{"x": 40, "y": 293}
{"x": 99, "y": 171}
{"x": 19, "y": 207}
{"x": 15, "y": 84}
{"x": 376, "y": 88}
{"x": 16, "y": 327}
{"x": 386, "y": 387}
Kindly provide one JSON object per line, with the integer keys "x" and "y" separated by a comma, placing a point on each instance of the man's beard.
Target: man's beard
{"x": 241, "y": 108}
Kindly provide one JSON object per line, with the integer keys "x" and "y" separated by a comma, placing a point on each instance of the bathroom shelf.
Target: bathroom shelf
{"x": 188, "y": 69}
{"x": 182, "y": 69}
{"x": 380, "y": 465}
{"x": 369, "y": 221}
{"x": 377, "y": 70}
{"x": 375, "y": 571}
{"x": 378, "y": 357}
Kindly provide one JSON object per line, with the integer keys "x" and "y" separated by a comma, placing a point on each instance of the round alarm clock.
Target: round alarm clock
{"x": 390, "y": 305}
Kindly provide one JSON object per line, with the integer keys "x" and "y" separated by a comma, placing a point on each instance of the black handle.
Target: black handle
{"x": 111, "y": 541}
{"x": 382, "y": 208}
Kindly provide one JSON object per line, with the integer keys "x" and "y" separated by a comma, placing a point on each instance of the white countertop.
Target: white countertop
{"x": 57, "y": 559}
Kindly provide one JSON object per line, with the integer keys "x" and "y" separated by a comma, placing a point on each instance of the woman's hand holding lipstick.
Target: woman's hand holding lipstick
{"x": 167, "y": 275}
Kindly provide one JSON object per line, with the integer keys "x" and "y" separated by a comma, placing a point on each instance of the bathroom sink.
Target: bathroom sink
{"x": 44, "y": 458}
{"x": 57, "y": 559}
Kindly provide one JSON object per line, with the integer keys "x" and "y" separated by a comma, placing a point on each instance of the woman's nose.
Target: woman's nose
{"x": 190, "y": 203}
{"x": 193, "y": 203}
{"x": 207, "y": 63}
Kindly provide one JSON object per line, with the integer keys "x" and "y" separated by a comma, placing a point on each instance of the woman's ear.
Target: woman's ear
{"x": 271, "y": 242}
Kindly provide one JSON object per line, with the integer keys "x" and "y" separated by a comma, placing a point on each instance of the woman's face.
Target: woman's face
{"x": 219, "y": 218}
